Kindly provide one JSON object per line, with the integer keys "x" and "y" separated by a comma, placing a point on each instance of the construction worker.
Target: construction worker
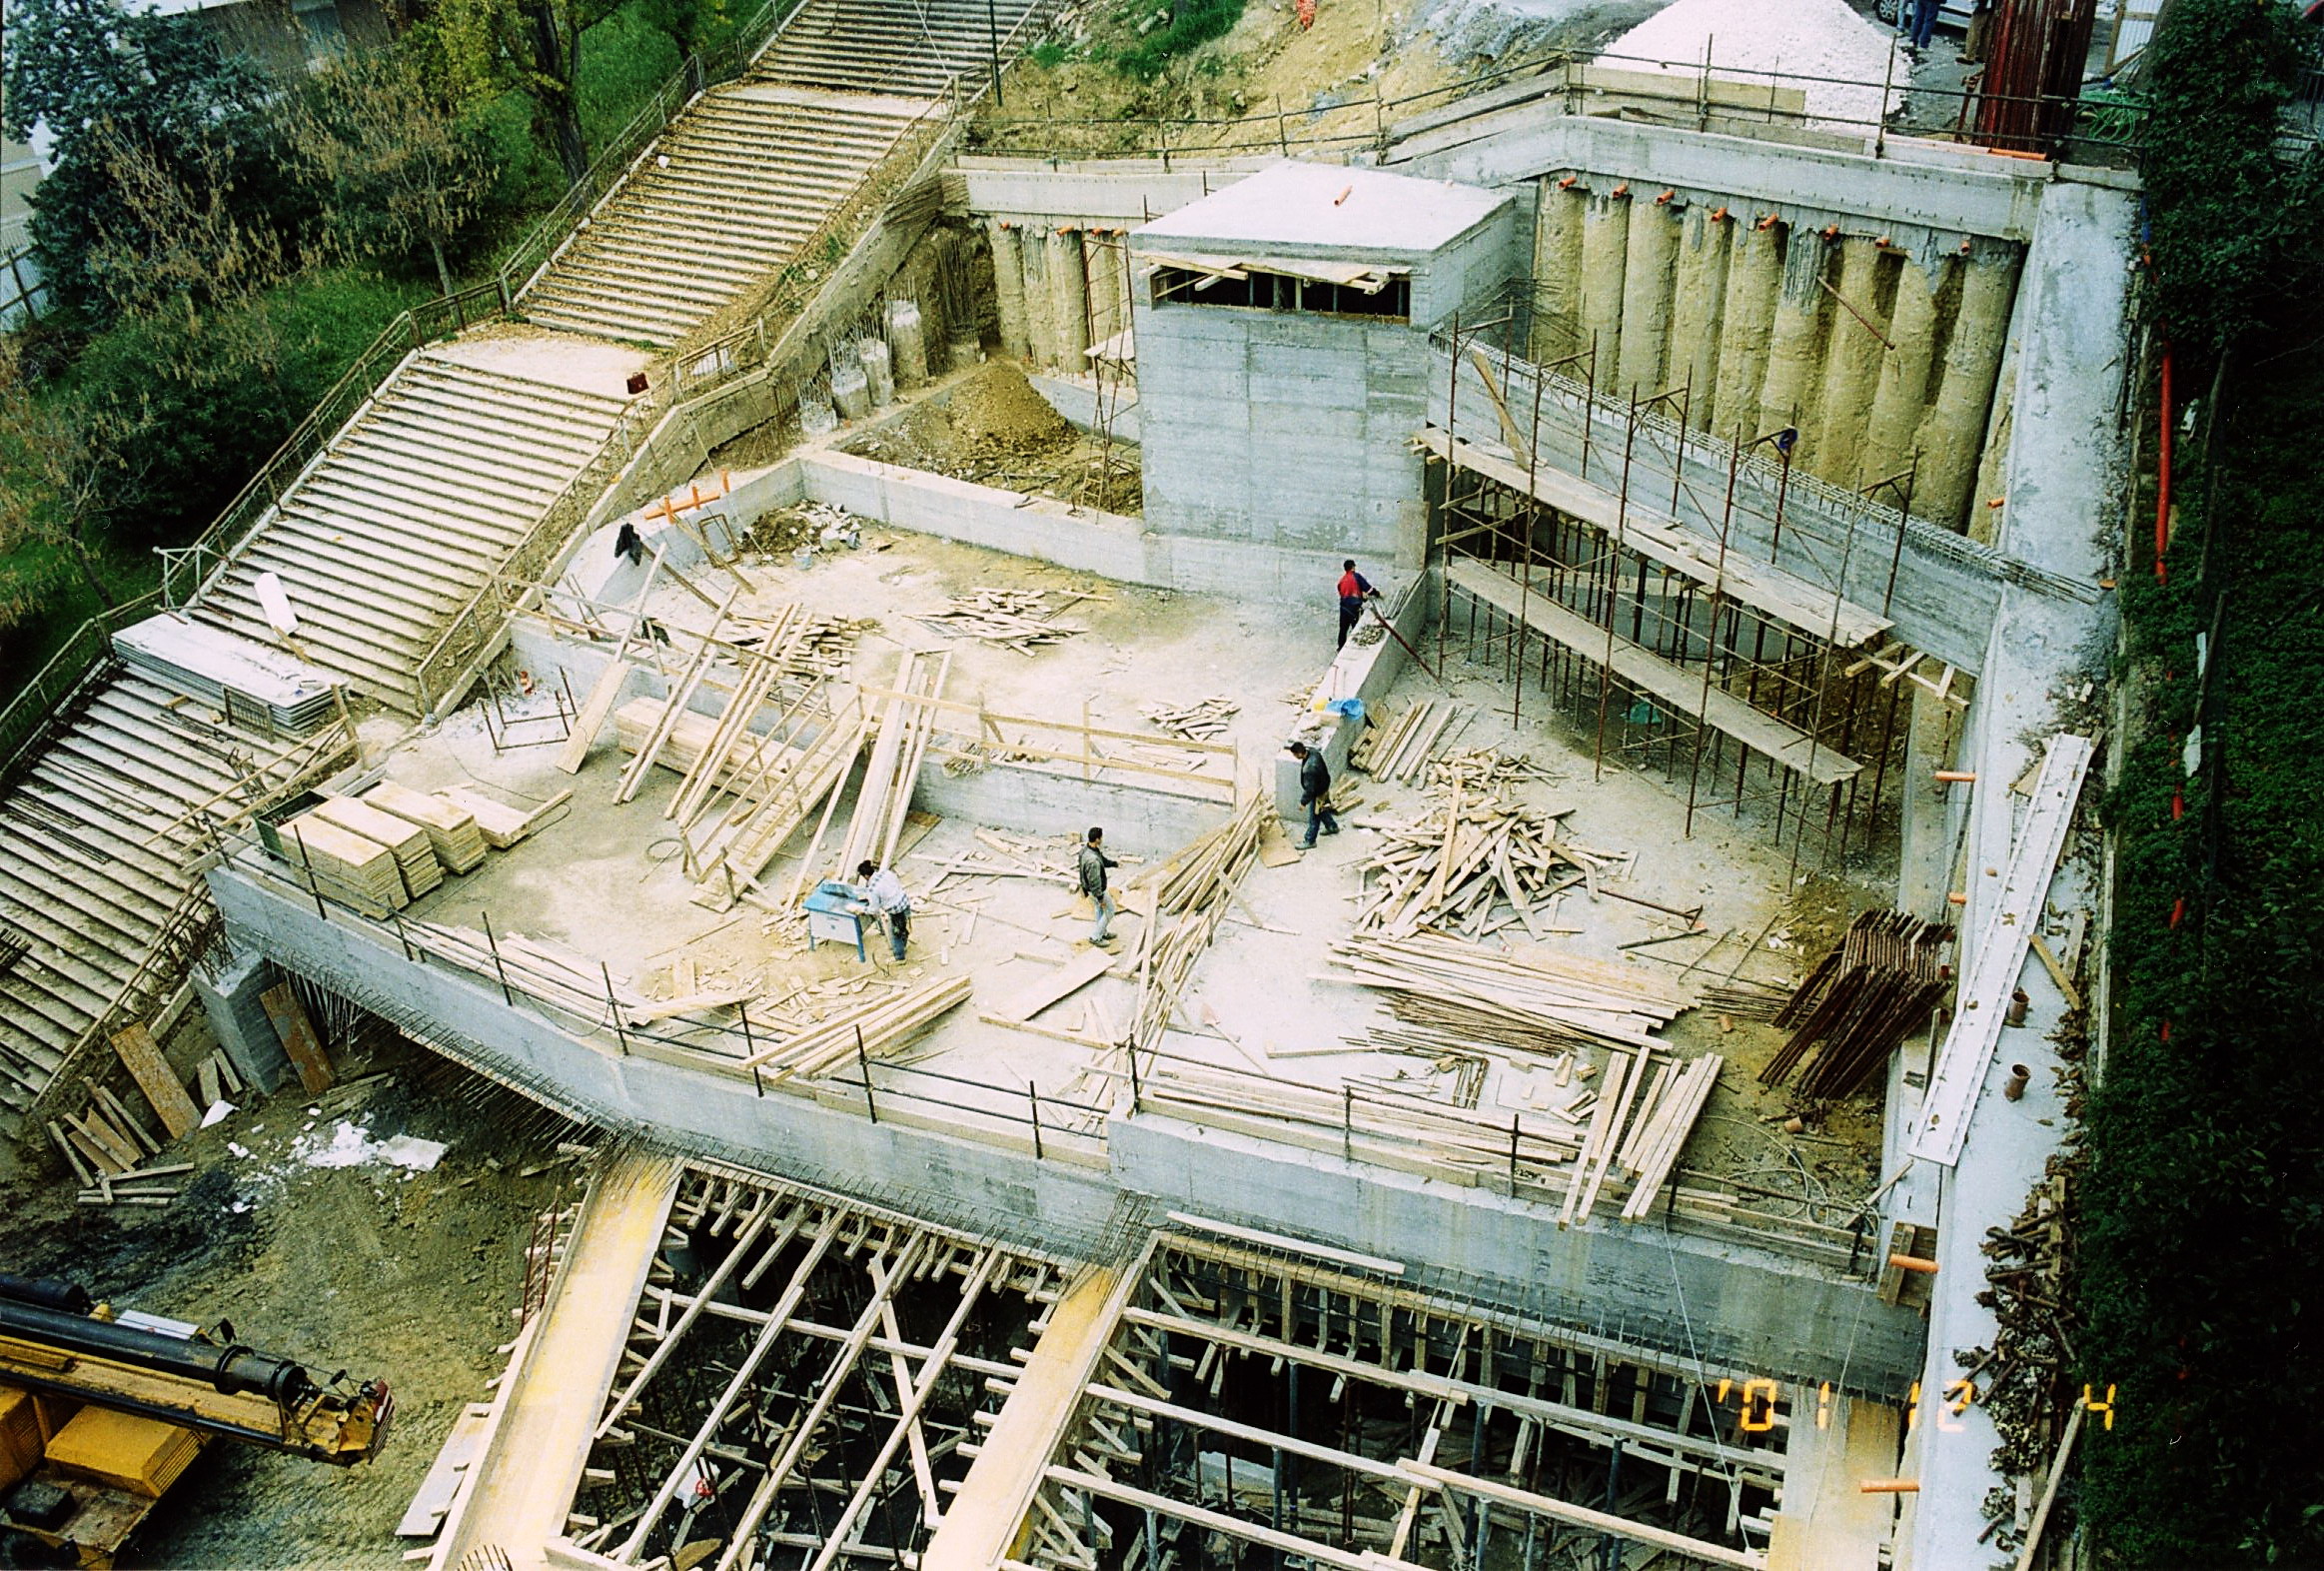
{"x": 883, "y": 896}
{"x": 1355, "y": 588}
{"x": 1315, "y": 792}
{"x": 1092, "y": 870}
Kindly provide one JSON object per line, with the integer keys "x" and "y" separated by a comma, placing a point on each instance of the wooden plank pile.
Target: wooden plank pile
{"x": 1528, "y": 1001}
{"x": 906, "y": 729}
{"x": 1011, "y": 618}
{"x": 1870, "y": 992}
{"x": 1201, "y": 721}
{"x": 451, "y": 832}
{"x": 1479, "y": 769}
{"x": 110, "y": 1152}
{"x": 1191, "y": 890}
{"x": 1456, "y": 865}
{"x": 345, "y": 863}
{"x": 1396, "y": 749}
{"x": 1638, "y": 1128}
{"x": 880, "y": 1026}
{"x": 500, "y": 825}
{"x": 414, "y": 852}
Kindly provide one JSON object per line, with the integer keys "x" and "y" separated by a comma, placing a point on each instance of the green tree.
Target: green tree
{"x": 55, "y": 461}
{"x": 99, "y": 74}
{"x": 398, "y": 167}
{"x": 2230, "y": 216}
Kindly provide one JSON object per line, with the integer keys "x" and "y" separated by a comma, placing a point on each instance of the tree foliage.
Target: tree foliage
{"x": 2225, "y": 209}
{"x": 102, "y": 76}
{"x": 398, "y": 166}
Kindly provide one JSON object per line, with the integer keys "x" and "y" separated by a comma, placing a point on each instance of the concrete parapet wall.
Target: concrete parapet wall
{"x": 1137, "y": 819}
{"x": 1737, "y": 1310}
{"x": 1106, "y": 543}
{"x": 1361, "y": 671}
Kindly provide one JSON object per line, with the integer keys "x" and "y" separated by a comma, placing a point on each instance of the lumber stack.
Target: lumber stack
{"x": 904, "y": 731}
{"x": 881, "y": 1026}
{"x": 345, "y": 863}
{"x": 451, "y": 832}
{"x": 1872, "y": 990}
{"x": 414, "y": 852}
{"x": 1202, "y": 720}
{"x": 1652, "y": 1148}
{"x": 1456, "y": 865}
{"x": 772, "y": 807}
{"x": 1190, "y": 894}
{"x": 689, "y": 738}
{"x": 500, "y": 825}
{"x": 1531, "y": 1000}
{"x": 1398, "y": 748}
{"x": 1013, "y": 618}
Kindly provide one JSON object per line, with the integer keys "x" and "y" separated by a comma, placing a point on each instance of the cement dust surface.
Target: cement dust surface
{"x": 368, "y": 1267}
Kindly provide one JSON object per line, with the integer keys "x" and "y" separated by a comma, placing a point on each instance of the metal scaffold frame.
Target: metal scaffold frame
{"x": 1787, "y": 719}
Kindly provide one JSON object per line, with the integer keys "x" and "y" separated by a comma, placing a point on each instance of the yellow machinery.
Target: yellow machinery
{"x": 100, "y": 1412}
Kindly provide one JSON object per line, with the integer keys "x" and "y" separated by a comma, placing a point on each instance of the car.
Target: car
{"x": 1950, "y": 13}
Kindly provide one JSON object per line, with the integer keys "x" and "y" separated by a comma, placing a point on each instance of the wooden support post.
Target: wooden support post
{"x": 303, "y": 1048}
{"x": 143, "y": 1058}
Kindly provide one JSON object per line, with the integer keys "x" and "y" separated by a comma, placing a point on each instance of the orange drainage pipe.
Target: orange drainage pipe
{"x": 1913, "y": 1262}
{"x": 1890, "y": 1487}
{"x": 1958, "y": 777}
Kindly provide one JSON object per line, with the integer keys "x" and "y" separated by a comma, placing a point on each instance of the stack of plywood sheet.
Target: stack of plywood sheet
{"x": 500, "y": 825}
{"x": 347, "y": 863}
{"x": 451, "y": 832}
{"x": 414, "y": 852}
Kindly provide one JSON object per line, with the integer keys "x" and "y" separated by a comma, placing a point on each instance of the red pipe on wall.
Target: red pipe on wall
{"x": 2162, "y": 488}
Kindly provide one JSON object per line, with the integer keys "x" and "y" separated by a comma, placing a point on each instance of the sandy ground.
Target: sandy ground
{"x": 409, "y": 1276}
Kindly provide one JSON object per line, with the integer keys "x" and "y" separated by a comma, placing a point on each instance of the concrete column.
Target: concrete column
{"x": 1604, "y": 245}
{"x": 1558, "y": 271}
{"x": 240, "y": 1021}
{"x": 1852, "y": 364}
{"x": 1069, "y": 295}
{"x": 1697, "y": 307}
{"x": 1646, "y": 296}
{"x": 1789, "y": 395}
{"x": 1964, "y": 389}
{"x": 1040, "y": 312}
{"x": 1901, "y": 393}
{"x": 1986, "y": 520}
{"x": 1009, "y": 287}
{"x": 1755, "y": 271}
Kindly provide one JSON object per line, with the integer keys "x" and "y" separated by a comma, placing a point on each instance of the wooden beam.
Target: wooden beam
{"x": 289, "y": 1015}
{"x": 1308, "y": 1549}
{"x": 142, "y": 1056}
{"x": 1444, "y": 1478}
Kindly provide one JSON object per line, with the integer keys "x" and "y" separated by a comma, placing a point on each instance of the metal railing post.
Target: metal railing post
{"x": 502, "y": 971}
{"x": 863, "y": 1065}
{"x": 1034, "y": 1097}
{"x": 613, "y": 1008}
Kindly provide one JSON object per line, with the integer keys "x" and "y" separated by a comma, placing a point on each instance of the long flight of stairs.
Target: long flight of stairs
{"x": 721, "y": 203}
{"x": 913, "y": 47}
{"x": 419, "y": 498}
{"x": 93, "y": 840}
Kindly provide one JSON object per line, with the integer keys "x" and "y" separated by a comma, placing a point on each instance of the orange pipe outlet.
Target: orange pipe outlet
{"x": 1913, "y": 1262}
{"x": 1890, "y": 1487}
{"x": 1959, "y": 777}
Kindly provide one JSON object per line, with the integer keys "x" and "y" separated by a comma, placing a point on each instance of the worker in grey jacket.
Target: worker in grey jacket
{"x": 881, "y": 895}
{"x": 1315, "y": 792}
{"x": 1093, "y": 866}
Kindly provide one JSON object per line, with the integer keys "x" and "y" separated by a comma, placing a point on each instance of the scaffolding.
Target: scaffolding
{"x": 1640, "y": 576}
{"x": 1259, "y": 1407}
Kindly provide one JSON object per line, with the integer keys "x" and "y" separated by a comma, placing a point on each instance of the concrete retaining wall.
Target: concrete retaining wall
{"x": 1737, "y": 1310}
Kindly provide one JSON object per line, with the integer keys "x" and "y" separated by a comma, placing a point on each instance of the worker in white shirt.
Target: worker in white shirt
{"x": 883, "y": 896}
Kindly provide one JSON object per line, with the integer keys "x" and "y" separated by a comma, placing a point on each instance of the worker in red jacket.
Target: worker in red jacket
{"x": 1355, "y": 588}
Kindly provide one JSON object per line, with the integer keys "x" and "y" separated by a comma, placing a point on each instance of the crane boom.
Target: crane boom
{"x": 53, "y": 1339}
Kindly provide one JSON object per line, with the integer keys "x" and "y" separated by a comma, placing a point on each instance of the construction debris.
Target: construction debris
{"x": 1869, "y": 993}
{"x": 1013, "y": 618}
{"x": 1454, "y": 867}
{"x": 1530, "y": 1001}
{"x": 876, "y": 1029}
{"x": 1198, "y": 722}
{"x": 1396, "y": 749}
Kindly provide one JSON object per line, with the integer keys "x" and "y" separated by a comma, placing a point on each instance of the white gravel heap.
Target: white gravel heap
{"x": 1815, "y": 38}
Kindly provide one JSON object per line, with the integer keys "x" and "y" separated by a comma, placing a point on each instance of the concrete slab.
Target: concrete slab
{"x": 1306, "y": 208}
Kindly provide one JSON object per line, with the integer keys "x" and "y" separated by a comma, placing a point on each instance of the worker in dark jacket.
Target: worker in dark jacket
{"x": 1355, "y": 588}
{"x": 1092, "y": 870}
{"x": 1315, "y": 792}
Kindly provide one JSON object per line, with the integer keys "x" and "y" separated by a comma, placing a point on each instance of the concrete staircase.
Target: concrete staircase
{"x": 91, "y": 860}
{"x": 894, "y": 45}
{"x": 716, "y": 207}
{"x": 419, "y": 498}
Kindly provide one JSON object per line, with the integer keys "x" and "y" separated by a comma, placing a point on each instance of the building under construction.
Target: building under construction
{"x": 1736, "y": 492}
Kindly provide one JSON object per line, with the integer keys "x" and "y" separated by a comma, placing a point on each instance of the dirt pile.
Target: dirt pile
{"x": 993, "y": 429}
